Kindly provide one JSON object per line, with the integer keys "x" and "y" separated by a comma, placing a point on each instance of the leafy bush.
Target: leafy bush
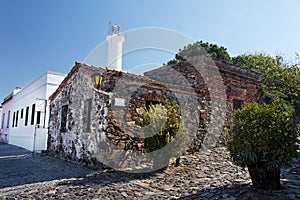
{"x": 161, "y": 126}
{"x": 263, "y": 135}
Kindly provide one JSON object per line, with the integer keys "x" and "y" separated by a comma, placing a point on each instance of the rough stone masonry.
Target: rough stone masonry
{"x": 94, "y": 129}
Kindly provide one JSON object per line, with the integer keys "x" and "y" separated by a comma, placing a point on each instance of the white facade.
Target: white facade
{"x": 30, "y": 112}
{"x": 114, "y": 51}
{"x": 5, "y": 119}
{"x": 5, "y": 123}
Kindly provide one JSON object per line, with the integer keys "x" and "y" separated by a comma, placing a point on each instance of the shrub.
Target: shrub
{"x": 263, "y": 136}
{"x": 263, "y": 133}
{"x": 161, "y": 126}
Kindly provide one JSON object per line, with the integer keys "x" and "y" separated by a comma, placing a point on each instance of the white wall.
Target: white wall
{"x": 114, "y": 51}
{"x": 36, "y": 93}
{"x": 5, "y": 122}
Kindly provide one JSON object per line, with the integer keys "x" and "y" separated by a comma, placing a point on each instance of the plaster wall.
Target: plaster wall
{"x": 5, "y": 123}
{"x": 28, "y": 104}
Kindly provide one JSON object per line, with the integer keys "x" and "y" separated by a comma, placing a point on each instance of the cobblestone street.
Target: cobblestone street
{"x": 205, "y": 176}
{"x": 18, "y": 167}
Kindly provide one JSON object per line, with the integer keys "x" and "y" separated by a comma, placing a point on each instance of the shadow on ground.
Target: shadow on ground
{"x": 107, "y": 177}
{"x": 19, "y": 166}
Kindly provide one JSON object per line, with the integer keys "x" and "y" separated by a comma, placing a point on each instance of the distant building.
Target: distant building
{"x": 6, "y": 116}
{"x": 26, "y": 112}
{"x": 5, "y": 123}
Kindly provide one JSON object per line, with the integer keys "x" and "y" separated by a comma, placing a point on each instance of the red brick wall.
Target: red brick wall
{"x": 239, "y": 83}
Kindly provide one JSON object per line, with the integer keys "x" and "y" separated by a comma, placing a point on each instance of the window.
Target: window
{"x": 26, "y": 115}
{"x": 87, "y": 115}
{"x": 22, "y": 110}
{"x": 17, "y": 117}
{"x": 63, "y": 120}
{"x": 14, "y": 118}
{"x": 38, "y": 117}
{"x": 32, "y": 114}
{"x": 237, "y": 104}
{"x": 3, "y": 119}
{"x": 8, "y": 116}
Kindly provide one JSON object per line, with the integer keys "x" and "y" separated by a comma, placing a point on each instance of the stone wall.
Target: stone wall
{"x": 239, "y": 83}
{"x": 123, "y": 127}
{"x": 236, "y": 84}
{"x": 73, "y": 143}
{"x": 113, "y": 136}
{"x": 93, "y": 128}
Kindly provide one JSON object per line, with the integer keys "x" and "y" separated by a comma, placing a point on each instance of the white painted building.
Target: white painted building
{"x": 29, "y": 112}
{"x": 5, "y": 123}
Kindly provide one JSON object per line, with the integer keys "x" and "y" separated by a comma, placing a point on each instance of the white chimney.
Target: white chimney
{"x": 114, "y": 48}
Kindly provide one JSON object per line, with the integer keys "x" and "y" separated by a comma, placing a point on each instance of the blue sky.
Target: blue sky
{"x": 38, "y": 35}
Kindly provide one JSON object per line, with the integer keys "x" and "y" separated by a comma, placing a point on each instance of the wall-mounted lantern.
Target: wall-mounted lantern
{"x": 97, "y": 78}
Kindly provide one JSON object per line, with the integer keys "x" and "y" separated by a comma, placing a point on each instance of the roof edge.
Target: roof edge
{"x": 69, "y": 75}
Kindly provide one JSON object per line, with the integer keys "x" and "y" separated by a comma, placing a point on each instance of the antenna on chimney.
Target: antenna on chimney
{"x": 109, "y": 28}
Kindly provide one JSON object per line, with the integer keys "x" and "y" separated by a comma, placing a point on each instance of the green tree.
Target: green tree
{"x": 280, "y": 81}
{"x": 202, "y": 48}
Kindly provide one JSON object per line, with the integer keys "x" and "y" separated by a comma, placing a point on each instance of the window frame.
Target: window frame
{"x": 38, "y": 118}
{"x": 32, "y": 114}
{"x": 3, "y": 120}
{"x": 13, "y": 119}
{"x": 17, "y": 117}
{"x": 237, "y": 103}
{"x": 22, "y": 113}
{"x": 26, "y": 115}
{"x": 64, "y": 118}
{"x": 87, "y": 118}
{"x": 8, "y": 119}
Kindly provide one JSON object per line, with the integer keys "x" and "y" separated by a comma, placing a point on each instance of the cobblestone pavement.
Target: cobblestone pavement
{"x": 19, "y": 166}
{"x": 206, "y": 176}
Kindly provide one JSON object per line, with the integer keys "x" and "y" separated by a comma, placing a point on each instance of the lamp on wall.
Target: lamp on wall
{"x": 97, "y": 78}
